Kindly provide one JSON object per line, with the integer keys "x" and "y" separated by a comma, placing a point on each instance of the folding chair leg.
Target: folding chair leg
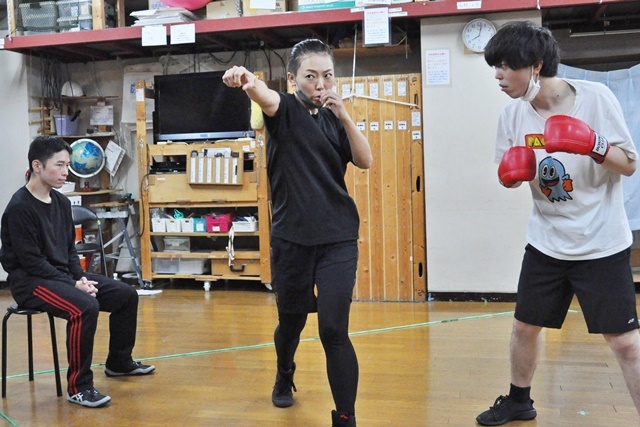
{"x": 30, "y": 346}
{"x": 4, "y": 354}
{"x": 56, "y": 363}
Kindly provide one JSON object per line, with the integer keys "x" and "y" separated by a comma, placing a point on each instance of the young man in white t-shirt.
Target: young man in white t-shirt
{"x": 569, "y": 141}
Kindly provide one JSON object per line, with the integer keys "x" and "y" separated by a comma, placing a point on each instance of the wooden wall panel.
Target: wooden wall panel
{"x": 419, "y": 229}
{"x": 389, "y": 166}
{"x": 392, "y": 225}
{"x": 403, "y": 158}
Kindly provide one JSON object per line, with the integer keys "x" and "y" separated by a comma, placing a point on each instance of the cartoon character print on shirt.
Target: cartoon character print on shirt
{"x": 555, "y": 183}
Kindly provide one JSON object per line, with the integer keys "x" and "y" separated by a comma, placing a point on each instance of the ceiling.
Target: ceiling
{"x": 599, "y": 37}
{"x": 595, "y": 17}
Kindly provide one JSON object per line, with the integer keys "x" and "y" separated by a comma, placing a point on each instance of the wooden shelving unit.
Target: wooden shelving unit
{"x": 174, "y": 191}
{"x": 278, "y": 30}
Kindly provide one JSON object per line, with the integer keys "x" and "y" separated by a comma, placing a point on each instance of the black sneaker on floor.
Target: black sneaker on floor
{"x": 135, "y": 368}
{"x": 90, "y": 398}
{"x": 342, "y": 419}
{"x": 282, "y": 396}
{"x": 506, "y": 409}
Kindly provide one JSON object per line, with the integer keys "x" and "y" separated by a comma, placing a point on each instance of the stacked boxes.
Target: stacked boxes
{"x": 38, "y": 17}
{"x": 74, "y": 15}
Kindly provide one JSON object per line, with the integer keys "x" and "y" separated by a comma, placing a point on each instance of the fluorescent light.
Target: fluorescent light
{"x": 603, "y": 33}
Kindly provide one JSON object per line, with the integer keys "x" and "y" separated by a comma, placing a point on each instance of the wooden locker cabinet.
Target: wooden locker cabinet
{"x": 248, "y": 258}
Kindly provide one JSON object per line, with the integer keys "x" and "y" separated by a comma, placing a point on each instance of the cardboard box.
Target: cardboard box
{"x": 311, "y": 5}
{"x": 224, "y": 9}
{"x": 281, "y": 6}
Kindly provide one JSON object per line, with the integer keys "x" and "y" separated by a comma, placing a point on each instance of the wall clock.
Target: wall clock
{"x": 477, "y": 33}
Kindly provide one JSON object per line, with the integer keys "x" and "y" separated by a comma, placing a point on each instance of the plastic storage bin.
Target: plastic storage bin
{"x": 192, "y": 265}
{"x": 177, "y": 244}
{"x": 73, "y": 8}
{"x": 165, "y": 265}
{"x": 64, "y": 125}
{"x": 39, "y": 17}
{"x": 245, "y": 224}
{"x": 199, "y": 225}
{"x": 75, "y": 23}
{"x": 85, "y": 22}
{"x": 68, "y": 24}
{"x": 186, "y": 225}
{"x": 158, "y": 225}
{"x": 173, "y": 225}
{"x": 218, "y": 223}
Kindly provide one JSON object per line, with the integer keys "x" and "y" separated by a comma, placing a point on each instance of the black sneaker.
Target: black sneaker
{"x": 506, "y": 409}
{"x": 282, "y": 396}
{"x": 342, "y": 419}
{"x": 90, "y": 398}
{"x": 135, "y": 368}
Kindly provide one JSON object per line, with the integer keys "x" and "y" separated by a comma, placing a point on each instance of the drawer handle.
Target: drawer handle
{"x": 239, "y": 270}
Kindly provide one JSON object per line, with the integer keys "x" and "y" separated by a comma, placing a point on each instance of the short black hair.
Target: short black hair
{"x": 305, "y": 48}
{"x": 523, "y": 44}
{"x": 44, "y": 147}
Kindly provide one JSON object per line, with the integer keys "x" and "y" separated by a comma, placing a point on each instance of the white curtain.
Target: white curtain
{"x": 625, "y": 84}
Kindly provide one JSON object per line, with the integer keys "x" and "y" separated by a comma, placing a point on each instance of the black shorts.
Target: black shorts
{"x": 604, "y": 288}
{"x": 298, "y": 270}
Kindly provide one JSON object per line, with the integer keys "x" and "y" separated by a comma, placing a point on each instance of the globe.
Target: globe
{"x": 87, "y": 158}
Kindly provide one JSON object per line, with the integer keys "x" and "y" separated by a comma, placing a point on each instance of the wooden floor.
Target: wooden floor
{"x": 421, "y": 364}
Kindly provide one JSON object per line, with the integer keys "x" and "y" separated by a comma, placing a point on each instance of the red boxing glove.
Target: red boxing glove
{"x": 518, "y": 164}
{"x": 571, "y": 135}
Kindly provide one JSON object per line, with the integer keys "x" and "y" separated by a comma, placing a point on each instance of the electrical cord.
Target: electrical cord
{"x": 50, "y": 80}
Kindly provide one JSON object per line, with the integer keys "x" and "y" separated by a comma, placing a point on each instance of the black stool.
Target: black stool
{"x": 14, "y": 309}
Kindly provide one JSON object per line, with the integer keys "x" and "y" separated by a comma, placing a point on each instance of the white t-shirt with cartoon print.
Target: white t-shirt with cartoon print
{"x": 578, "y": 210}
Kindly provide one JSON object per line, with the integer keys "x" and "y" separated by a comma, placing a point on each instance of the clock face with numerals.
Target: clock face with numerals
{"x": 477, "y": 33}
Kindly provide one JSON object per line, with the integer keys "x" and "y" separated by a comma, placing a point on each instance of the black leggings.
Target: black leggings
{"x": 333, "y": 325}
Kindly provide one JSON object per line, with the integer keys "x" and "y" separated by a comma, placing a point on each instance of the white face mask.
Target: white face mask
{"x": 532, "y": 89}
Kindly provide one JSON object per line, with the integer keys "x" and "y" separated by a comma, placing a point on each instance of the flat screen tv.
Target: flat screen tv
{"x": 199, "y": 106}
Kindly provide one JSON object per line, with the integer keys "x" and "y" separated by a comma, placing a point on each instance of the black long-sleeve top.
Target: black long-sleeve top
{"x": 38, "y": 239}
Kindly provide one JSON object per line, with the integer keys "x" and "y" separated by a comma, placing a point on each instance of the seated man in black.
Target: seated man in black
{"x": 38, "y": 253}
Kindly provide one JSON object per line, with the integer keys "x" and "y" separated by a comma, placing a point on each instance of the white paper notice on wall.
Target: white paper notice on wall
{"x": 377, "y": 26}
{"x": 438, "y": 67}
{"x": 415, "y": 118}
{"x": 101, "y": 115}
{"x": 114, "y": 154}
{"x": 465, "y": 5}
{"x": 183, "y": 34}
{"x": 402, "y": 88}
{"x": 154, "y": 35}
